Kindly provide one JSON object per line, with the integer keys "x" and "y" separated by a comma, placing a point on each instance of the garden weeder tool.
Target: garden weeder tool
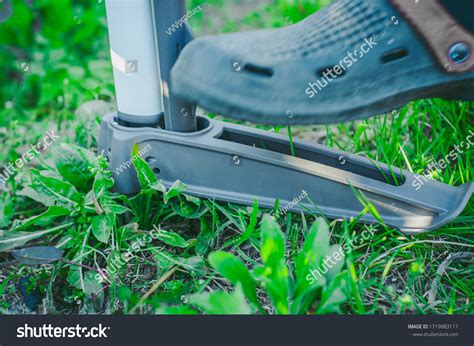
{"x": 161, "y": 73}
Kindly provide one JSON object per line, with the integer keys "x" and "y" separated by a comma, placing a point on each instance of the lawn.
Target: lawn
{"x": 163, "y": 251}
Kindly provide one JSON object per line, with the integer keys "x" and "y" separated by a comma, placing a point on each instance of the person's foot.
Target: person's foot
{"x": 351, "y": 60}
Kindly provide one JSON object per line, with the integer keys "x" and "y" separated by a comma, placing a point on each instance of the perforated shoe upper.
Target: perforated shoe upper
{"x": 281, "y": 76}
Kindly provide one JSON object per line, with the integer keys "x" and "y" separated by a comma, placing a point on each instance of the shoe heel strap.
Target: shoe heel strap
{"x": 441, "y": 31}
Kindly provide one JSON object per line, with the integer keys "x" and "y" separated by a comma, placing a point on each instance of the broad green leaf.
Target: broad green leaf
{"x": 273, "y": 241}
{"x": 170, "y": 238}
{"x": 176, "y": 310}
{"x": 176, "y": 189}
{"x": 52, "y": 191}
{"x": 6, "y": 209}
{"x": 236, "y": 272}
{"x": 102, "y": 226}
{"x": 158, "y": 186}
{"x": 75, "y": 164}
{"x": 10, "y": 240}
{"x": 333, "y": 295}
{"x": 74, "y": 277}
{"x": 124, "y": 293}
{"x": 145, "y": 174}
{"x": 193, "y": 264}
{"x": 192, "y": 199}
{"x": 205, "y": 238}
{"x": 222, "y": 303}
{"x": 309, "y": 266}
{"x": 336, "y": 261}
{"x": 275, "y": 274}
{"x": 188, "y": 210}
{"x": 164, "y": 259}
{"x": 315, "y": 248}
{"x": 87, "y": 282}
{"x": 101, "y": 184}
{"x": 110, "y": 206}
{"x": 38, "y": 255}
{"x": 49, "y": 215}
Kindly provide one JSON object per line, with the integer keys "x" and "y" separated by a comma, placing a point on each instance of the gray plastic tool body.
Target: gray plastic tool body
{"x": 234, "y": 163}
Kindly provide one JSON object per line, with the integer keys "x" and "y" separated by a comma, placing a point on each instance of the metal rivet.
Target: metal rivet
{"x": 459, "y": 53}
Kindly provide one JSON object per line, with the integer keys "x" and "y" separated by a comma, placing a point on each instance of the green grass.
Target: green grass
{"x": 167, "y": 252}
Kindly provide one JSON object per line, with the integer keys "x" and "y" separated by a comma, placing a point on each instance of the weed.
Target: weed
{"x": 163, "y": 251}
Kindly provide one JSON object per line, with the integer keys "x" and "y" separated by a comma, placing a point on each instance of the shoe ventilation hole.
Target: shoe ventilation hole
{"x": 258, "y": 70}
{"x": 156, "y": 170}
{"x": 394, "y": 55}
{"x": 331, "y": 71}
{"x": 150, "y": 159}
